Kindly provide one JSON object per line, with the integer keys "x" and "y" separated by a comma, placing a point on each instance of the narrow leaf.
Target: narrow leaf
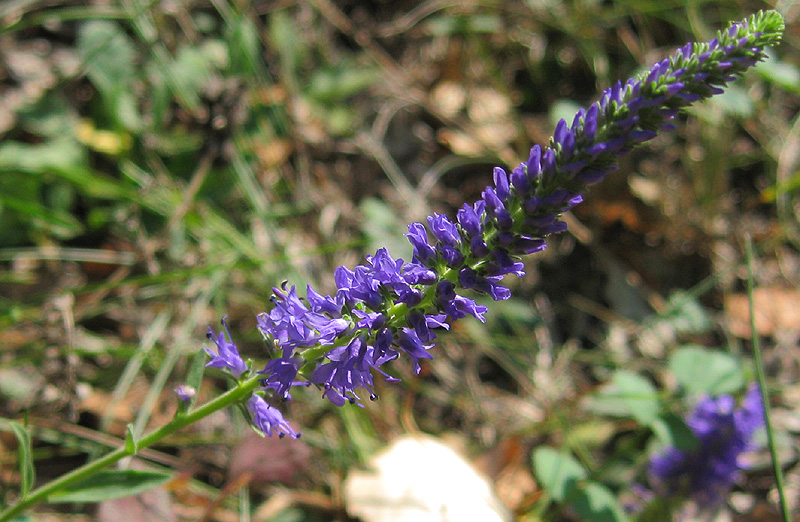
{"x": 108, "y": 485}
{"x": 26, "y": 469}
{"x": 196, "y": 370}
{"x": 194, "y": 377}
{"x": 130, "y": 440}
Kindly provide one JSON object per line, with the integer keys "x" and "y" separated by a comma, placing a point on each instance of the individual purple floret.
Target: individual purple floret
{"x": 724, "y": 432}
{"x": 388, "y": 307}
{"x": 227, "y": 354}
{"x": 268, "y": 419}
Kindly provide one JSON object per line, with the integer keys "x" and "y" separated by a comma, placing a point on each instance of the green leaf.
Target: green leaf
{"x": 60, "y": 154}
{"x": 50, "y": 117}
{"x": 131, "y": 445}
{"x": 735, "y": 102}
{"x": 596, "y": 503}
{"x": 26, "y": 470}
{"x": 557, "y": 472}
{"x": 628, "y": 395}
{"x": 244, "y": 46}
{"x": 703, "y": 371}
{"x": 194, "y": 377}
{"x": 334, "y": 84}
{"x": 638, "y": 395}
{"x": 673, "y": 431}
{"x": 338, "y": 120}
{"x": 60, "y": 224}
{"x": 108, "y": 485}
{"x": 784, "y": 75}
{"x": 109, "y": 55}
{"x": 449, "y": 25}
{"x": 563, "y": 109}
{"x": 23, "y": 518}
{"x": 196, "y": 369}
{"x": 383, "y": 228}
{"x": 191, "y": 70}
{"x": 289, "y": 41}
{"x": 686, "y": 314}
{"x": 660, "y": 509}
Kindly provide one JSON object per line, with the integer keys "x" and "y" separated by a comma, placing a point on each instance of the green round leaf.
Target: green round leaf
{"x": 597, "y": 503}
{"x": 628, "y": 395}
{"x": 557, "y": 472}
{"x": 673, "y": 431}
{"x": 700, "y": 370}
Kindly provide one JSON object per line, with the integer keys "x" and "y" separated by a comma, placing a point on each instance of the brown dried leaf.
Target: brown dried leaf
{"x": 777, "y": 310}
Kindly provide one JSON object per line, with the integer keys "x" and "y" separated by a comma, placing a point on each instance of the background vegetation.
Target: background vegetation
{"x": 166, "y": 163}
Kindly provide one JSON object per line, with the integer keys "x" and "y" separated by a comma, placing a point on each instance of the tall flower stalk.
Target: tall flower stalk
{"x": 388, "y": 307}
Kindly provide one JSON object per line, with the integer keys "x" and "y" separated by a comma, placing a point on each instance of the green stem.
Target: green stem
{"x": 762, "y": 383}
{"x": 232, "y": 396}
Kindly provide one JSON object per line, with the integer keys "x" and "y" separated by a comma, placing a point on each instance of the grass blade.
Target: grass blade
{"x": 26, "y": 469}
{"x": 762, "y": 382}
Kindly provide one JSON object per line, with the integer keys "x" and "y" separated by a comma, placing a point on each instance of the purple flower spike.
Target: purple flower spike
{"x": 227, "y": 354}
{"x": 388, "y": 307}
{"x": 724, "y": 432}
